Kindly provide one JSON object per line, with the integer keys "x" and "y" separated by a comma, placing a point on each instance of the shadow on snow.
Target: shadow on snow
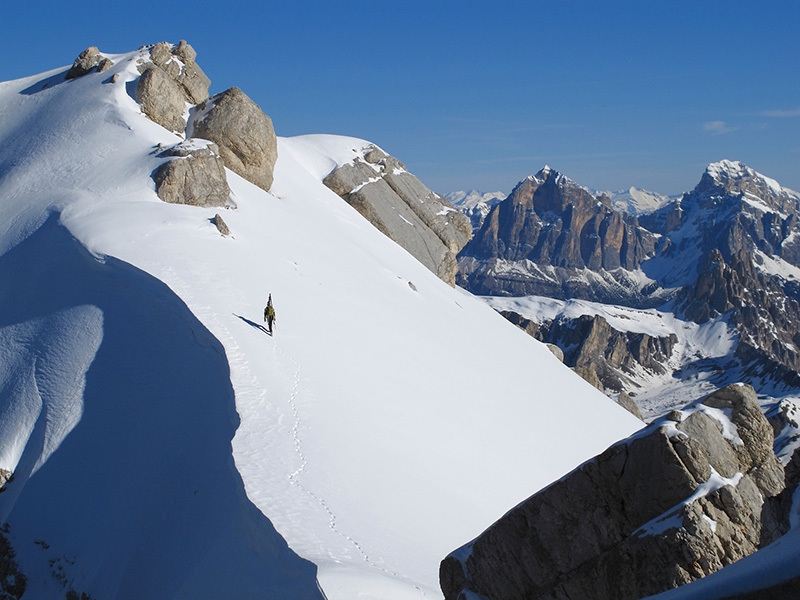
{"x": 142, "y": 498}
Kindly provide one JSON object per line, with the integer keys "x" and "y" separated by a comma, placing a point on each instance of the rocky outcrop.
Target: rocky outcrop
{"x": 161, "y": 99}
{"x": 245, "y": 135}
{"x": 221, "y": 226}
{"x": 87, "y": 61}
{"x": 195, "y": 175}
{"x": 170, "y": 80}
{"x": 744, "y": 232}
{"x": 547, "y": 236}
{"x": 178, "y": 62}
{"x": 400, "y": 206}
{"x": 673, "y": 503}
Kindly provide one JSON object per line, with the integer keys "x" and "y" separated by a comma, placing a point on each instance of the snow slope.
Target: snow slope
{"x": 165, "y": 446}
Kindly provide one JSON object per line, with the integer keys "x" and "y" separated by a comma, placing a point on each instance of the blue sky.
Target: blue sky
{"x": 480, "y": 94}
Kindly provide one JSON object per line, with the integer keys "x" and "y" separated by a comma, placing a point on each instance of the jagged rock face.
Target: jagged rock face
{"x": 671, "y": 504}
{"x": 554, "y": 223}
{"x": 87, "y": 61}
{"x": 602, "y": 355}
{"x": 400, "y": 206}
{"x": 161, "y": 99}
{"x": 245, "y": 135}
{"x": 743, "y": 226}
{"x": 170, "y": 79}
{"x": 179, "y": 63}
{"x": 727, "y": 248}
{"x": 195, "y": 175}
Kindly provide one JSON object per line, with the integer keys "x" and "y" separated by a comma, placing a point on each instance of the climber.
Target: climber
{"x": 269, "y": 314}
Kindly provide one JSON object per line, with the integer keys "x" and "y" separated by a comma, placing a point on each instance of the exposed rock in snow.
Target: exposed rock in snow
{"x": 169, "y": 80}
{"x": 244, "y": 134}
{"x": 87, "y": 61}
{"x": 161, "y": 99}
{"x": 673, "y": 503}
{"x": 195, "y": 175}
{"x": 179, "y": 63}
{"x": 399, "y": 205}
{"x": 221, "y": 226}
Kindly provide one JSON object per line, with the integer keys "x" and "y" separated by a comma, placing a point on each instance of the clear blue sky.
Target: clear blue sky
{"x": 480, "y": 94}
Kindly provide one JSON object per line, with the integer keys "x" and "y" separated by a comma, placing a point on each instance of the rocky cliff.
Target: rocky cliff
{"x": 552, "y": 237}
{"x": 399, "y": 205}
{"x": 606, "y": 357}
{"x": 729, "y": 249}
{"x": 679, "y": 500}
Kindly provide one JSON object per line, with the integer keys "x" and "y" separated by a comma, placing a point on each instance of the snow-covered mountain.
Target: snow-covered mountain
{"x": 726, "y": 259}
{"x": 163, "y": 445}
{"x": 473, "y": 198}
{"x": 635, "y": 201}
{"x": 476, "y": 205}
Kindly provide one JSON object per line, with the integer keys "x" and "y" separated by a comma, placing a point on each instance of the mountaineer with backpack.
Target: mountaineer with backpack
{"x": 269, "y": 314}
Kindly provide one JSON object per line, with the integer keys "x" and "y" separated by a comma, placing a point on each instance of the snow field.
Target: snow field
{"x": 382, "y": 426}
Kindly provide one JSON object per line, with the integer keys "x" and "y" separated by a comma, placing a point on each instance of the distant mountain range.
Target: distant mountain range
{"x": 728, "y": 250}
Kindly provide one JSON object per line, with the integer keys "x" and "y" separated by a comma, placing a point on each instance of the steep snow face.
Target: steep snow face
{"x": 161, "y": 436}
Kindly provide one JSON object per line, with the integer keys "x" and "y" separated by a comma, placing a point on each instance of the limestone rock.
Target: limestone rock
{"x": 88, "y": 60}
{"x": 221, "y": 226}
{"x": 170, "y": 79}
{"x": 626, "y": 402}
{"x": 557, "y": 352}
{"x": 179, "y": 64}
{"x": 633, "y": 521}
{"x": 245, "y": 136}
{"x": 400, "y": 206}
{"x": 161, "y": 99}
{"x": 194, "y": 176}
{"x": 553, "y": 222}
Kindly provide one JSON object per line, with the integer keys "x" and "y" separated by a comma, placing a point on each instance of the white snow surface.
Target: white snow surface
{"x": 165, "y": 446}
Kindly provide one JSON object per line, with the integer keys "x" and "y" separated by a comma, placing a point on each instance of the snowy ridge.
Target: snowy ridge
{"x": 636, "y": 201}
{"x": 350, "y": 434}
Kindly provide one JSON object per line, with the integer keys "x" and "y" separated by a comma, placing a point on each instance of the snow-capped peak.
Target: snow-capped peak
{"x": 466, "y": 200}
{"x": 729, "y": 173}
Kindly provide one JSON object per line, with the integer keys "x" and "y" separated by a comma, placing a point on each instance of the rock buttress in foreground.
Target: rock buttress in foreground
{"x": 673, "y": 503}
{"x": 400, "y": 206}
